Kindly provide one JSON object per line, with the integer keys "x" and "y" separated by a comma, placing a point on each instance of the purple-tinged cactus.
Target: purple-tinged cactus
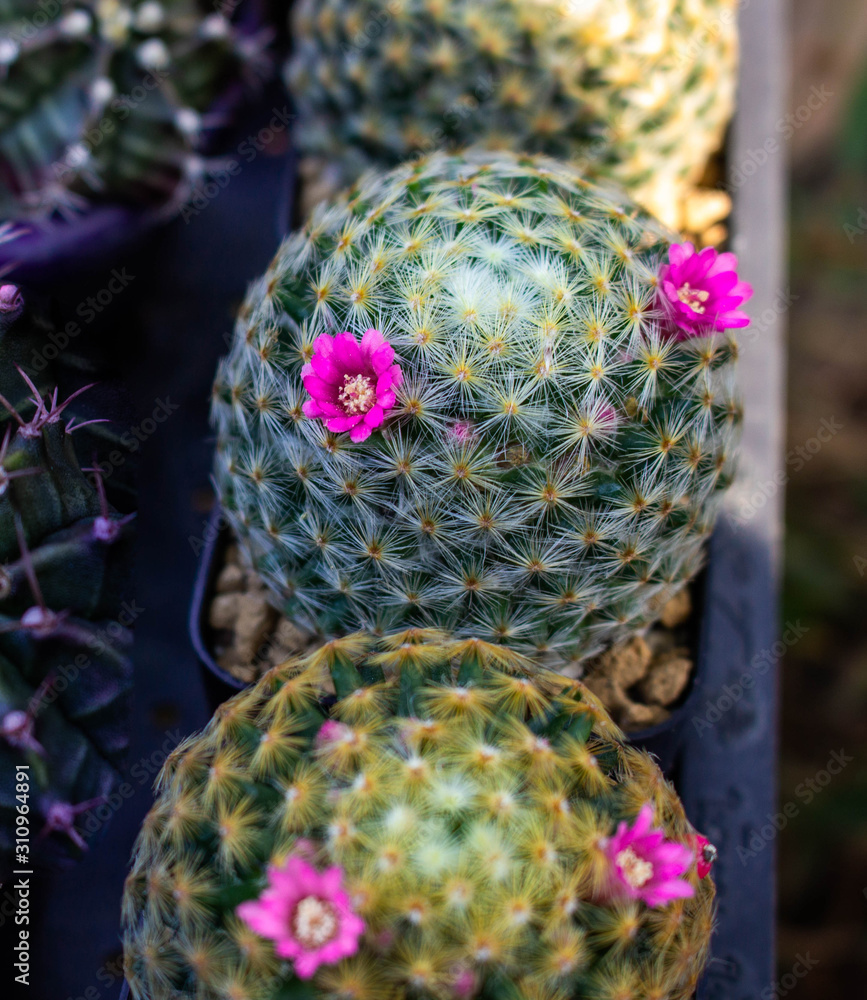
{"x": 64, "y": 666}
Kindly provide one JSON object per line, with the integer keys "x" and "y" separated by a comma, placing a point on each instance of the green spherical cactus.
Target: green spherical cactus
{"x": 640, "y": 90}
{"x": 548, "y": 468}
{"x": 106, "y": 100}
{"x": 454, "y": 825}
{"x": 65, "y": 672}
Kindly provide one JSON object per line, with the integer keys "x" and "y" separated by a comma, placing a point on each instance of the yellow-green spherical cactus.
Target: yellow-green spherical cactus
{"x": 423, "y": 817}
{"x": 639, "y": 90}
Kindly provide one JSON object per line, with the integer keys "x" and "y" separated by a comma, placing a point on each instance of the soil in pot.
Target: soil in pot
{"x": 639, "y": 681}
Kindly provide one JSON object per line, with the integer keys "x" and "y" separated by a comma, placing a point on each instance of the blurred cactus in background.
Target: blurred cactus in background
{"x": 455, "y": 825}
{"x": 473, "y": 394}
{"x": 65, "y": 671}
{"x": 110, "y": 101}
{"x": 639, "y": 90}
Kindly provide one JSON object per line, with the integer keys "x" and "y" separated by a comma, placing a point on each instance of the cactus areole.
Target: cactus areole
{"x": 474, "y": 393}
{"x": 458, "y": 824}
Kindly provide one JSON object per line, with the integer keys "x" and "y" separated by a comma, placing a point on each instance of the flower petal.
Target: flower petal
{"x": 679, "y": 252}
{"x": 374, "y": 416}
{"x": 724, "y": 262}
{"x": 262, "y": 919}
{"x": 344, "y": 422}
{"x": 347, "y": 353}
{"x": 643, "y": 821}
{"x": 361, "y": 432}
{"x": 371, "y": 340}
{"x": 382, "y": 358}
{"x": 659, "y": 895}
{"x": 320, "y": 390}
{"x": 326, "y": 369}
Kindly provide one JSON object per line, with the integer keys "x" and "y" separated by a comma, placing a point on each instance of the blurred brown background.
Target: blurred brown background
{"x": 823, "y": 850}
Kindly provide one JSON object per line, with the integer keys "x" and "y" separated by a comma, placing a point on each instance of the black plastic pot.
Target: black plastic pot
{"x": 219, "y": 684}
{"x": 56, "y": 251}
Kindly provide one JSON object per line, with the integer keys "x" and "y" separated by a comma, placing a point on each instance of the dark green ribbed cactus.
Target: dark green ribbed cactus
{"x": 65, "y": 672}
{"x": 454, "y": 824}
{"x": 108, "y": 100}
{"x": 461, "y": 397}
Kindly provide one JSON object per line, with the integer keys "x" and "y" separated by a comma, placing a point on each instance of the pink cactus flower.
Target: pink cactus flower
{"x": 352, "y": 386}
{"x": 700, "y": 291}
{"x": 307, "y": 913}
{"x": 705, "y": 855}
{"x": 644, "y": 865}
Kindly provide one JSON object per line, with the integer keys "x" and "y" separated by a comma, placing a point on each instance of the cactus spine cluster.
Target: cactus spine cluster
{"x": 467, "y": 801}
{"x": 105, "y": 100}
{"x": 550, "y": 469}
{"x": 640, "y": 90}
{"x": 65, "y": 673}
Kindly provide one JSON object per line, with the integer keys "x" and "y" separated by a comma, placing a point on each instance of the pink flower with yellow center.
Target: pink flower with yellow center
{"x": 351, "y": 385}
{"x": 644, "y": 865}
{"x": 307, "y": 913}
{"x": 701, "y": 293}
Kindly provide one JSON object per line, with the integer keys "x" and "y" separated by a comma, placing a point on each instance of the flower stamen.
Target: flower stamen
{"x": 357, "y": 394}
{"x": 693, "y": 297}
{"x": 314, "y": 922}
{"x": 636, "y": 871}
